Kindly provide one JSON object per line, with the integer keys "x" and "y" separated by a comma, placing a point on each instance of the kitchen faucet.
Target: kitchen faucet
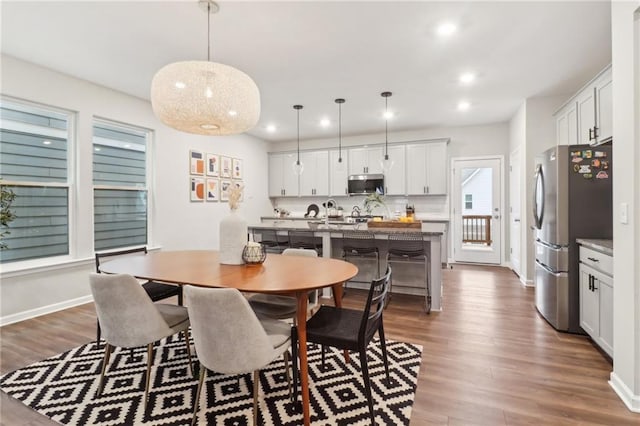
{"x": 329, "y": 203}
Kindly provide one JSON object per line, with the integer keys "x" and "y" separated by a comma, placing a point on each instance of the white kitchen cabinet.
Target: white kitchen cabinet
{"x": 395, "y": 179}
{"x": 365, "y": 160}
{"x": 338, "y": 173}
{"x": 567, "y": 124}
{"x": 427, "y": 168}
{"x": 283, "y": 182}
{"x": 594, "y": 110}
{"x": 314, "y": 179}
{"x": 596, "y": 297}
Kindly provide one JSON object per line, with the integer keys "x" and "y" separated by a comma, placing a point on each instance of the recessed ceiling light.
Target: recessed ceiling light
{"x": 325, "y": 122}
{"x": 46, "y": 142}
{"x": 233, "y": 113}
{"x": 180, "y": 85}
{"x": 467, "y": 77}
{"x": 446, "y": 29}
{"x": 271, "y": 128}
{"x": 463, "y": 105}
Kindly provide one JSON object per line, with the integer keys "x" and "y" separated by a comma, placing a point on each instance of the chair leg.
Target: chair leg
{"x": 185, "y": 333}
{"x": 294, "y": 361}
{"x": 383, "y": 346}
{"x": 286, "y": 369}
{"x": 322, "y": 351}
{"x": 105, "y": 362}
{"x": 98, "y": 333}
{"x": 256, "y": 387}
{"x": 367, "y": 383}
{"x": 180, "y": 297}
{"x": 148, "y": 378}
{"x": 427, "y": 284}
{"x": 203, "y": 374}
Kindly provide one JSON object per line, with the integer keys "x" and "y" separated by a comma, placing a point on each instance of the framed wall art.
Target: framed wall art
{"x": 196, "y": 162}
{"x": 197, "y": 189}
{"x": 213, "y": 165}
{"x": 225, "y": 185}
{"x": 237, "y": 168}
{"x": 213, "y": 190}
{"x": 240, "y": 185}
{"x": 225, "y": 167}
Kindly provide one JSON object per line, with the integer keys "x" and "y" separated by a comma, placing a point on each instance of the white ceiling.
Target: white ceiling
{"x": 310, "y": 53}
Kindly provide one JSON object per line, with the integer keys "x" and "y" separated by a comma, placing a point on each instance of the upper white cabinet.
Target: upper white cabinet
{"x": 365, "y": 160}
{"x": 315, "y": 177}
{"x": 427, "y": 168}
{"x": 588, "y": 114}
{"x": 283, "y": 182}
{"x": 567, "y": 124}
{"x": 338, "y": 173}
{"x": 395, "y": 179}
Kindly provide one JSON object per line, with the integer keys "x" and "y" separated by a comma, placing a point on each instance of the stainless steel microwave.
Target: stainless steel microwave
{"x": 366, "y": 184}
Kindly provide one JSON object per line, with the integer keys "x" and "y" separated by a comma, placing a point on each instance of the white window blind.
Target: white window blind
{"x": 34, "y": 165}
{"x": 120, "y": 188}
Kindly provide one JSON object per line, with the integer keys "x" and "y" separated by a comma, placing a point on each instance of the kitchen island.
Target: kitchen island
{"x": 407, "y": 278}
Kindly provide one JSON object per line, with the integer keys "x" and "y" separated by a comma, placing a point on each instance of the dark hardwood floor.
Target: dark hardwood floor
{"x": 488, "y": 358}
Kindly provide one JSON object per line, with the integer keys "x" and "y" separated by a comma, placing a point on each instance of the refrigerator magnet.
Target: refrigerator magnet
{"x": 576, "y": 168}
{"x": 595, "y": 163}
{"x": 587, "y": 153}
{"x": 585, "y": 168}
{"x": 602, "y": 175}
{"x": 577, "y": 159}
{"x": 576, "y": 153}
{"x": 600, "y": 154}
{"x": 605, "y": 165}
{"x": 587, "y": 176}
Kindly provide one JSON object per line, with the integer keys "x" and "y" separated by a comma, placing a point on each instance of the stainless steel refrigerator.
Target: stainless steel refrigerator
{"x": 572, "y": 199}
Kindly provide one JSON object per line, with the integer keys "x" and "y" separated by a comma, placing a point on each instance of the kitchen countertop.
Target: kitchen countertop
{"x": 418, "y": 218}
{"x": 603, "y": 246}
{"x": 338, "y": 227}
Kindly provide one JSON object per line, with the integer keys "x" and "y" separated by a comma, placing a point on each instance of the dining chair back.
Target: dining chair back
{"x": 130, "y": 319}
{"x": 155, "y": 291}
{"x": 283, "y": 307}
{"x": 230, "y": 339}
{"x": 349, "y": 329}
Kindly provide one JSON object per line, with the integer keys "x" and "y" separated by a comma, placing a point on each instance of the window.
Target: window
{"x": 468, "y": 201}
{"x": 34, "y": 165}
{"x": 120, "y": 185}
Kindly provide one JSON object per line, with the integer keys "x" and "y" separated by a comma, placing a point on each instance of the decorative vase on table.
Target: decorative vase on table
{"x": 233, "y": 232}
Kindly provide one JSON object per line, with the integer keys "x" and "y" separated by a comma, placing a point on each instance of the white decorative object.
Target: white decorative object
{"x": 233, "y": 232}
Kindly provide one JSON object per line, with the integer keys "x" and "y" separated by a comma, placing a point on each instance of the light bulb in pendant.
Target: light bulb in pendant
{"x": 297, "y": 167}
{"x": 386, "y": 164}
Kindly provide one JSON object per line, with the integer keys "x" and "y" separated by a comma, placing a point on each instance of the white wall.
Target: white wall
{"x": 625, "y": 23}
{"x": 175, "y": 222}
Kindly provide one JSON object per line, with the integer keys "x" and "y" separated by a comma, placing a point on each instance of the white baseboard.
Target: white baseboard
{"x": 527, "y": 283}
{"x": 32, "y": 313}
{"x": 626, "y": 395}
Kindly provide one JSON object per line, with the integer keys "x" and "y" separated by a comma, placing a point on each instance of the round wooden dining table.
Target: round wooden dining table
{"x": 291, "y": 275}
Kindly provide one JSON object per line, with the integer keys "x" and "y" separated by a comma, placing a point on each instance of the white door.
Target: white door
{"x": 514, "y": 211}
{"x": 477, "y": 211}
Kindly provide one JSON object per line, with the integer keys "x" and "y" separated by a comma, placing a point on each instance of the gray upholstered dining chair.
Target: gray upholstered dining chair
{"x": 230, "y": 339}
{"x": 283, "y": 307}
{"x": 130, "y": 319}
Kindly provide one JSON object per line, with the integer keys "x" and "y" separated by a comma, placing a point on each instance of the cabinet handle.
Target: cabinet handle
{"x": 424, "y": 189}
{"x": 346, "y": 192}
{"x": 595, "y": 132}
{"x": 590, "y": 282}
{"x": 591, "y": 132}
{"x": 593, "y": 259}
{"x": 284, "y": 192}
{"x": 427, "y": 189}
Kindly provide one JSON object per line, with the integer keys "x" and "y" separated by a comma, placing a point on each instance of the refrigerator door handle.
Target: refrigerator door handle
{"x": 539, "y": 181}
{"x": 550, "y": 245}
{"x": 549, "y": 270}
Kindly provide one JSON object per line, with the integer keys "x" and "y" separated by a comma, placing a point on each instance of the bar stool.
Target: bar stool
{"x": 305, "y": 240}
{"x": 360, "y": 244}
{"x": 407, "y": 246}
{"x": 270, "y": 240}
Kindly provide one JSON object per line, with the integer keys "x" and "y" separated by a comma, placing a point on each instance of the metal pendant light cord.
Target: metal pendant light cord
{"x": 298, "y": 108}
{"x": 208, "y": 32}
{"x": 339, "y": 101}
{"x": 386, "y": 95}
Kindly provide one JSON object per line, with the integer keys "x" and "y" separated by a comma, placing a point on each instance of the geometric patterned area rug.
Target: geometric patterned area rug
{"x": 63, "y": 388}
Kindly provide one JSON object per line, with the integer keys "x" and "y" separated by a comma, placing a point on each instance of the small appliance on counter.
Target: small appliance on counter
{"x": 410, "y": 211}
